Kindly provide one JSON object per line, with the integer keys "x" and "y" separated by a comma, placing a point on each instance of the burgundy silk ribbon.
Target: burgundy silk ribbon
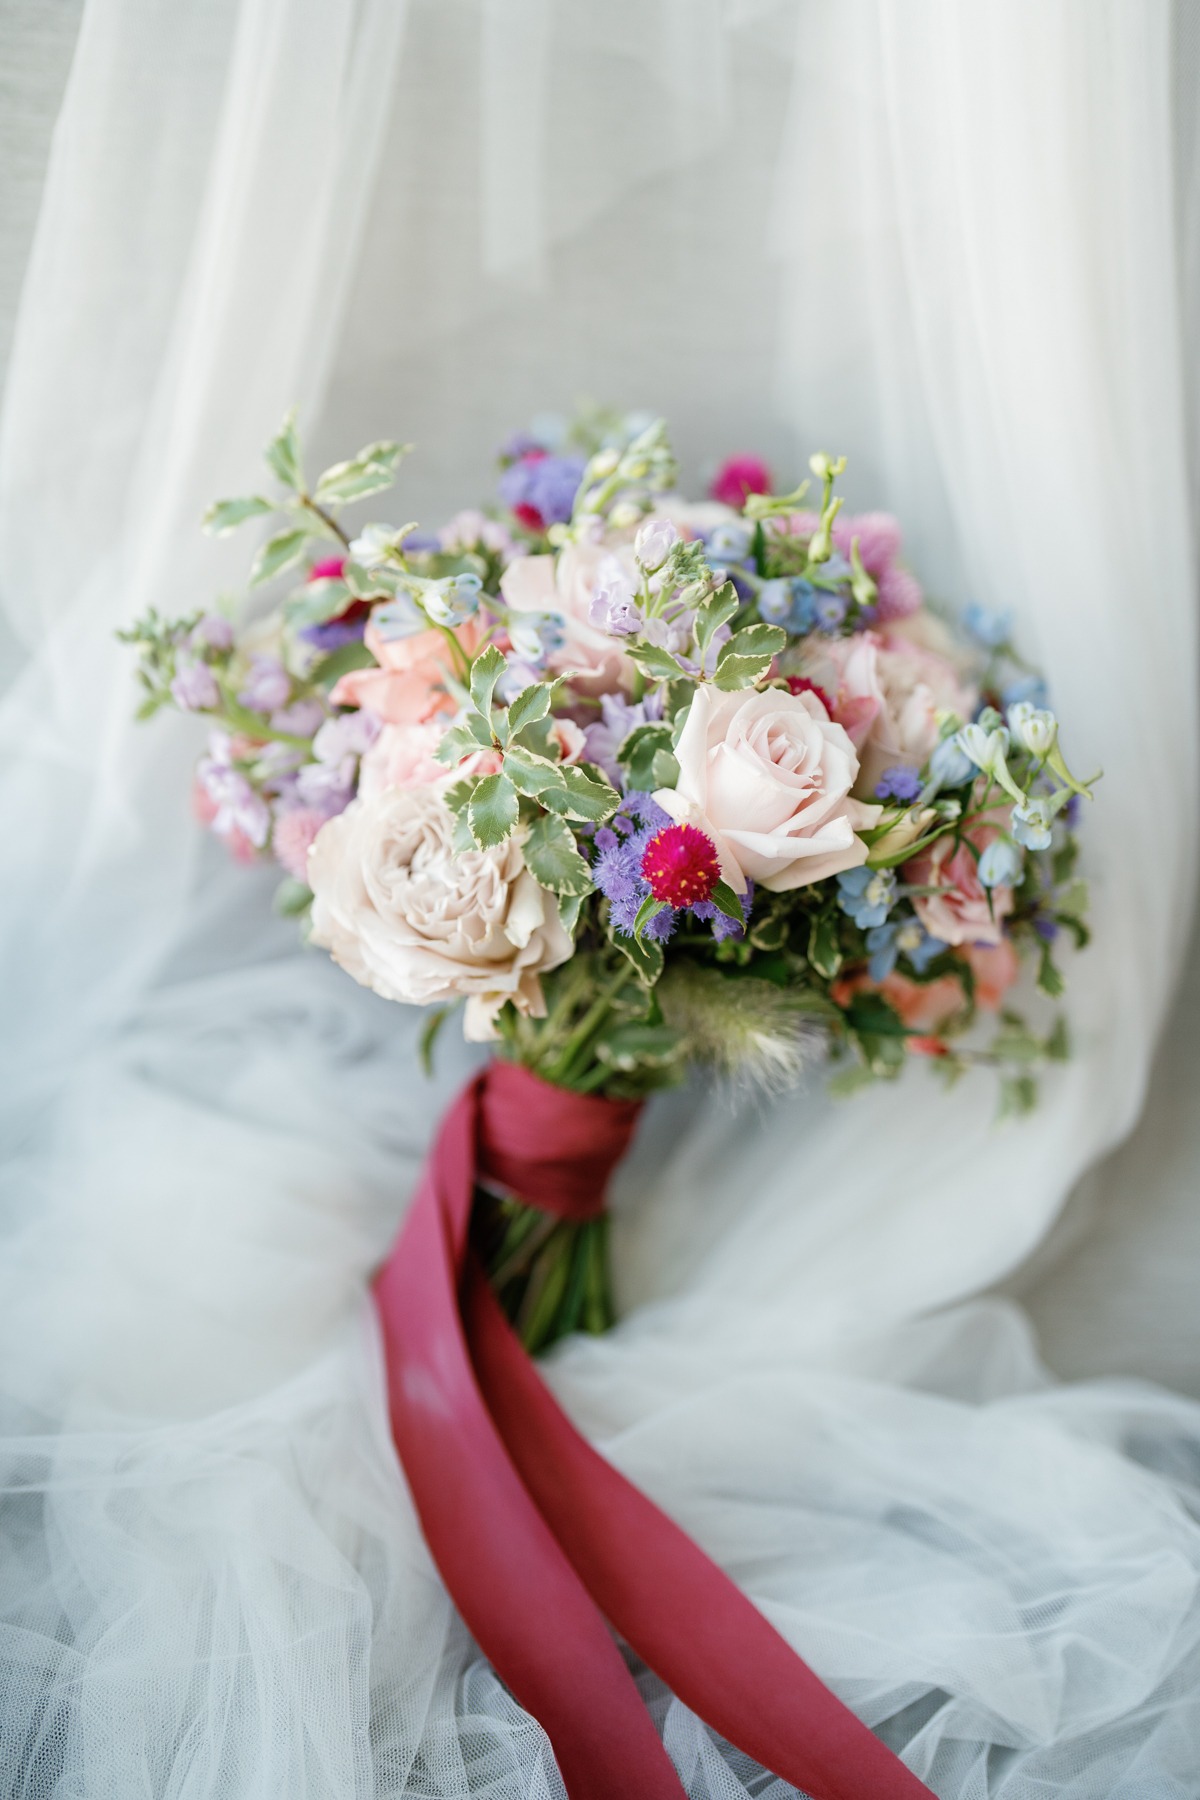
{"x": 538, "y": 1538}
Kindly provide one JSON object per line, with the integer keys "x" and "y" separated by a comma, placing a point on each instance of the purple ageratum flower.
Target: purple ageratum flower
{"x": 268, "y": 685}
{"x": 618, "y": 717}
{"x": 335, "y": 634}
{"x": 542, "y": 485}
{"x": 617, "y": 872}
{"x": 898, "y": 783}
{"x": 194, "y": 688}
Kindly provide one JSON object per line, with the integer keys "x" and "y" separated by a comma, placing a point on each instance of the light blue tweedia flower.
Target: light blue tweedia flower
{"x": 729, "y": 541}
{"x": 867, "y": 895}
{"x": 1000, "y": 864}
{"x": 775, "y": 602}
{"x": 900, "y": 937}
{"x": 989, "y": 628}
{"x": 1031, "y": 824}
{"x": 950, "y": 766}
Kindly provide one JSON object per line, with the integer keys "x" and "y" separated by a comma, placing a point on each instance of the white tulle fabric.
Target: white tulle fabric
{"x": 980, "y": 223}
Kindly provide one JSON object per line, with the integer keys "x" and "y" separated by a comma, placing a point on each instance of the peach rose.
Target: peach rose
{"x": 887, "y": 691}
{"x": 407, "y": 687}
{"x": 768, "y": 778}
{"x": 995, "y": 968}
{"x": 960, "y": 912}
{"x": 565, "y": 585}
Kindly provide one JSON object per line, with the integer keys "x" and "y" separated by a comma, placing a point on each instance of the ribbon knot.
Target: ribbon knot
{"x": 554, "y": 1149}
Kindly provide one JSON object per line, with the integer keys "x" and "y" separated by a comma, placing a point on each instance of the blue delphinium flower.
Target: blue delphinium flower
{"x": 729, "y": 541}
{"x": 804, "y": 606}
{"x": 1031, "y": 823}
{"x": 830, "y": 609}
{"x": 900, "y": 937}
{"x": 545, "y": 485}
{"x": 898, "y": 783}
{"x": 867, "y": 895}
{"x": 775, "y": 602}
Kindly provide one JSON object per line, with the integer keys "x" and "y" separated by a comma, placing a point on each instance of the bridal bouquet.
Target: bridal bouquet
{"x": 637, "y": 783}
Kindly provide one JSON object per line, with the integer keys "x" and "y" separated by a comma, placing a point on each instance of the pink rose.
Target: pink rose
{"x": 920, "y": 1005}
{"x": 565, "y": 585}
{"x": 960, "y": 912}
{"x": 407, "y": 687}
{"x": 768, "y": 778}
{"x": 887, "y": 691}
{"x": 402, "y": 756}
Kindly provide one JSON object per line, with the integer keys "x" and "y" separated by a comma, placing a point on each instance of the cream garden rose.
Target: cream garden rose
{"x": 414, "y": 920}
{"x": 768, "y": 776}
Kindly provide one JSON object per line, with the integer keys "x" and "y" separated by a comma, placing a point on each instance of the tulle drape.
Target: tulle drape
{"x": 433, "y": 220}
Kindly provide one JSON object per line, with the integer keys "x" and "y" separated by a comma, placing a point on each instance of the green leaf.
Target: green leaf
{"x": 552, "y": 857}
{"x": 316, "y": 603}
{"x": 646, "y": 955}
{"x": 747, "y": 656}
{"x": 372, "y": 470}
{"x": 871, "y": 1016}
{"x": 1049, "y": 976}
{"x": 649, "y": 909}
{"x": 655, "y": 662}
{"x": 428, "y": 1038}
{"x": 531, "y": 774}
{"x": 583, "y": 796}
{"x": 367, "y": 584}
{"x": 283, "y": 455}
{"x": 727, "y": 902}
{"x": 714, "y": 612}
{"x": 1018, "y": 1095}
{"x": 342, "y": 661}
{"x": 486, "y": 671}
{"x": 456, "y": 742}
{"x": 629, "y": 1047}
{"x": 458, "y": 793}
{"x": 569, "y": 908}
{"x": 640, "y": 751}
{"x": 770, "y": 932}
{"x": 224, "y": 516}
{"x": 530, "y": 705}
{"x": 492, "y": 810}
{"x": 824, "y": 950}
{"x": 1057, "y": 1047}
{"x": 278, "y": 553}
{"x": 292, "y": 898}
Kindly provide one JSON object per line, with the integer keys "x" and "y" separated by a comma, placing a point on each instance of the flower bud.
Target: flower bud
{"x": 624, "y": 514}
{"x": 604, "y": 464}
{"x": 654, "y": 543}
{"x": 827, "y": 468}
{"x": 950, "y": 766}
{"x": 1033, "y": 727}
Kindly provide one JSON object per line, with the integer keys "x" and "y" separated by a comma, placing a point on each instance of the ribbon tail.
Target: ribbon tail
{"x": 685, "y": 1618}
{"x": 521, "y": 1599}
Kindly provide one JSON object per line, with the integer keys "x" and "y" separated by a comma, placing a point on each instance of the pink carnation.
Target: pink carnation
{"x": 739, "y": 476}
{"x": 294, "y": 833}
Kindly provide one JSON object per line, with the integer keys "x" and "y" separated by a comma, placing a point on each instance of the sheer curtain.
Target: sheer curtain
{"x": 951, "y": 241}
